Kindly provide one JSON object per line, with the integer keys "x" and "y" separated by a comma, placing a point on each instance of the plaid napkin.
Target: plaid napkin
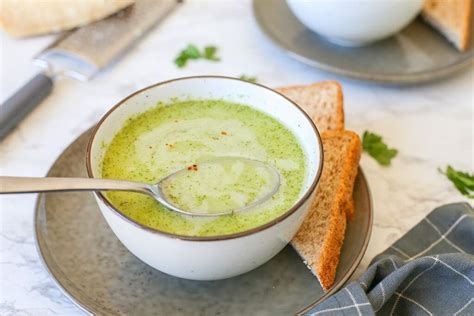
{"x": 429, "y": 271}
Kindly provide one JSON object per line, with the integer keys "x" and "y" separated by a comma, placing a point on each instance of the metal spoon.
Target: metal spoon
{"x": 9, "y": 185}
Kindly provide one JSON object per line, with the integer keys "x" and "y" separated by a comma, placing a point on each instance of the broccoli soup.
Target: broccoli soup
{"x": 185, "y": 134}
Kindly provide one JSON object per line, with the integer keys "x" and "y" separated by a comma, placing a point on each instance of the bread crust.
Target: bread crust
{"x": 466, "y": 32}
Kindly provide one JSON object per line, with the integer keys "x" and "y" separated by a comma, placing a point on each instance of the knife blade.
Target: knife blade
{"x": 82, "y": 53}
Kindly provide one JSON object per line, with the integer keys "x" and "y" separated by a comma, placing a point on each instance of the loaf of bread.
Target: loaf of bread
{"x": 33, "y": 17}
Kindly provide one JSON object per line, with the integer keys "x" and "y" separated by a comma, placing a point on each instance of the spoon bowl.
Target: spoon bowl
{"x": 218, "y": 172}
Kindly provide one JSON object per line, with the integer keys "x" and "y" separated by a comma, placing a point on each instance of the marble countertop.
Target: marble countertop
{"x": 431, "y": 125}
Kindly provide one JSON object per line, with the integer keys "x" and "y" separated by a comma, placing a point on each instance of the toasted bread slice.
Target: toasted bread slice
{"x": 320, "y": 237}
{"x": 322, "y": 101}
{"x": 452, "y": 18}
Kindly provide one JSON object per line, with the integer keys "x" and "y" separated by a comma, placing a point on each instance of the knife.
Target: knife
{"x": 82, "y": 53}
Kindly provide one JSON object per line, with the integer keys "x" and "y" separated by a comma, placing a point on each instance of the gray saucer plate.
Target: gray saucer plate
{"x": 416, "y": 54}
{"x": 95, "y": 271}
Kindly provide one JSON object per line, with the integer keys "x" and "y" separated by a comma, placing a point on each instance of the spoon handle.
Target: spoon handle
{"x": 30, "y": 185}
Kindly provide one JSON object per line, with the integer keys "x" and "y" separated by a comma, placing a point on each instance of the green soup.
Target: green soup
{"x": 170, "y": 137}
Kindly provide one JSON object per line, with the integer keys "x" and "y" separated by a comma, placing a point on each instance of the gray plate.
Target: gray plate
{"x": 418, "y": 53}
{"x": 95, "y": 271}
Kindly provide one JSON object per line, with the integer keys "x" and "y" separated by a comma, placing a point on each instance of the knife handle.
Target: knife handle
{"x": 15, "y": 108}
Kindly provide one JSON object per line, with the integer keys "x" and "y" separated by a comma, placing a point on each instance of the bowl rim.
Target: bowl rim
{"x": 307, "y": 193}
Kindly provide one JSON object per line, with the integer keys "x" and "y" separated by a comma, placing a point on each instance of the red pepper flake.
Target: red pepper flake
{"x": 190, "y": 168}
{"x": 224, "y": 133}
{"x": 193, "y": 168}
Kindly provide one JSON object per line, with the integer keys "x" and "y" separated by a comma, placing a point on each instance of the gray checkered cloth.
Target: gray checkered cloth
{"x": 429, "y": 271}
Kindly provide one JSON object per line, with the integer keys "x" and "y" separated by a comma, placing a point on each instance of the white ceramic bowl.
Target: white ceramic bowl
{"x": 355, "y": 22}
{"x": 208, "y": 258}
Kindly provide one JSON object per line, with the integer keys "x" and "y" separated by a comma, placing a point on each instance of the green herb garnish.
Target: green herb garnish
{"x": 373, "y": 144}
{"x": 192, "y": 52}
{"x": 248, "y": 78}
{"x": 210, "y": 53}
{"x": 463, "y": 181}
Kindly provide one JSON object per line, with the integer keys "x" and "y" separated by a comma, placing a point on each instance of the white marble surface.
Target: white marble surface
{"x": 430, "y": 124}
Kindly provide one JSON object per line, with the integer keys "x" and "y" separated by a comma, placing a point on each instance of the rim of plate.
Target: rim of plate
{"x": 400, "y": 78}
{"x": 306, "y": 195}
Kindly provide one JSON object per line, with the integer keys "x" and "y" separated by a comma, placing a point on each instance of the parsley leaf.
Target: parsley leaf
{"x": 192, "y": 52}
{"x": 210, "y": 53}
{"x": 373, "y": 144}
{"x": 463, "y": 181}
{"x": 248, "y": 78}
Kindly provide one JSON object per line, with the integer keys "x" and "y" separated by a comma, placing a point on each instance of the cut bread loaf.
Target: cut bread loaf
{"x": 321, "y": 101}
{"x": 320, "y": 237}
{"x": 34, "y": 17}
{"x": 452, "y": 18}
